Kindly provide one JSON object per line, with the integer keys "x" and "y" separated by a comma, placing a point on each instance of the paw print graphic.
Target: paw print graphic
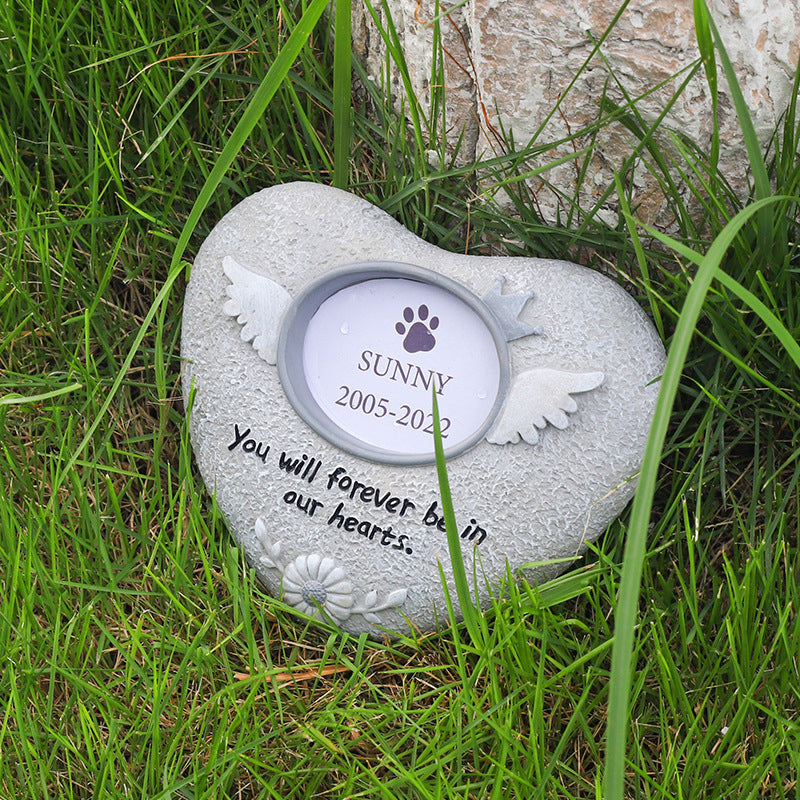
{"x": 417, "y": 334}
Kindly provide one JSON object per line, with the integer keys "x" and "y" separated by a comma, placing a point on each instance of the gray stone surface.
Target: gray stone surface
{"x": 510, "y": 63}
{"x": 521, "y": 502}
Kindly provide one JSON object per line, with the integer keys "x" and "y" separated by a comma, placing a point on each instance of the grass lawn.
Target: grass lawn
{"x": 140, "y": 659}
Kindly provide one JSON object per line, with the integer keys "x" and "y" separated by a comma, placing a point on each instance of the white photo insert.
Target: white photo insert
{"x": 375, "y": 350}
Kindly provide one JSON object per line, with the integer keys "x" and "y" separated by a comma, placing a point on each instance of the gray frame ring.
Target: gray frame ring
{"x": 292, "y": 339}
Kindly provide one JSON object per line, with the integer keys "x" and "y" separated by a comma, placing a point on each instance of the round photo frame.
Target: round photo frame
{"x": 392, "y": 429}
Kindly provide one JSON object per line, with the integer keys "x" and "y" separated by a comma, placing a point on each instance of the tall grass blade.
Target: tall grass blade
{"x": 251, "y": 116}
{"x": 791, "y": 133}
{"x": 628, "y": 600}
{"x": 756, "y": 159}
{"x": 468, "y": 609}
{"x": 13, "y": 398}
{"x": 705, "y": 44}
{"x": 394, "y": 50}
{"x": 758, "y": 167}
{"x": 771, "y": 320}
{"x": 342, "y": 72}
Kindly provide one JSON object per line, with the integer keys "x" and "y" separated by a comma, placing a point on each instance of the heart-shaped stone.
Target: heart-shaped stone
{"x": 316, "y": 330}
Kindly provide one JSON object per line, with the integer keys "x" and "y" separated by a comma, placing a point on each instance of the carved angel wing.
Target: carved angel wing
{"x": 537, "y": 397}
{"x": 258, "y": 304}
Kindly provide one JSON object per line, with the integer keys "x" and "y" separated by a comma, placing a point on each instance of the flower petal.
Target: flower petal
{"x": 343, "y": 599}
{"x": 294, "y": 578}
{"x": 312, "y": 566}
{"x": 336, "y": 575}
{"x": 292, "y": 598}
{"x": 327, "y": 566}
{"x": 337, "y": 612}
{"x": 342, "y": 589}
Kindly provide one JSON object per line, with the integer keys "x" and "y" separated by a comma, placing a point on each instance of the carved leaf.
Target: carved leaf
{"x": 258, "y": 304}
{"x": 370, "y": 598}
{"x": 372, "y": 618}
{"x": 539, "y": 397}
{"x": 396, "y": 598}
{"x": 270, "y": 553}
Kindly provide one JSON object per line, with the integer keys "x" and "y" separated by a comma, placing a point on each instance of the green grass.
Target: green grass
{"x": 139, "y": 657}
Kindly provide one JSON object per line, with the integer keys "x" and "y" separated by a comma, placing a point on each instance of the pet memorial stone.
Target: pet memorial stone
{"x": 316, "y": 330}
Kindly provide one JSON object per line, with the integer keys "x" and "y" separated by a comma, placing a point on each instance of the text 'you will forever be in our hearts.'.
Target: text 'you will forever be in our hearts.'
{"x": 338, "y": 483}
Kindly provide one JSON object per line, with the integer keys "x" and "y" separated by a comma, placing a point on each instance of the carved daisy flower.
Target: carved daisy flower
{"x": 311, "y": 578}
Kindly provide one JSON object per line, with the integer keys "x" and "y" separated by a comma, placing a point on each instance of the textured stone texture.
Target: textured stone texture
{"x": 509, "y": 61}
{"x": 535, "y": 502}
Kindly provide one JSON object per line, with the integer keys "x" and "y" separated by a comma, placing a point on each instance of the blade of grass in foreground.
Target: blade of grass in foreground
{"x": 252, "y": 114}
{"x": 468, "y": 609}
{"x": 633, "y": 560}
{"x": 771, "y": 320}
{"x": 758, "y": 168}
{"x": 17, "y": 399}
{"x": 342, "y": 94}
{"x": 705, "y": 44}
